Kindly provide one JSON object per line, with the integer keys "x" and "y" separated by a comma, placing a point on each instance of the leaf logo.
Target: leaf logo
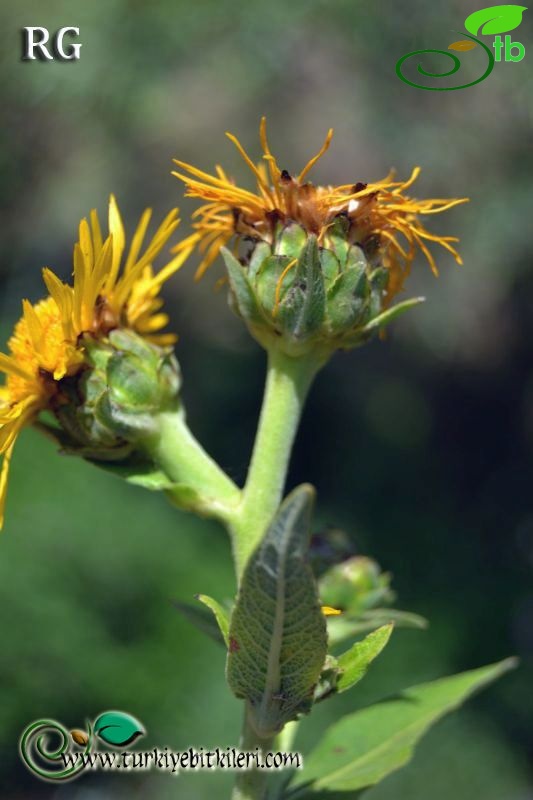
{"x": 494, "y": 19}
{"x": 118, "y": 728}
{"x": 462, "y": 45}
{"x": 80, "y": 737}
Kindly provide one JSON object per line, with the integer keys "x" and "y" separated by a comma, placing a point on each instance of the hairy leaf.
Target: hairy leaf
{"x": 277, "y": 637}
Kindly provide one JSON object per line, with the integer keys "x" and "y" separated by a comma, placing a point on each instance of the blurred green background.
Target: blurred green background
{"x": 420, "y": 446}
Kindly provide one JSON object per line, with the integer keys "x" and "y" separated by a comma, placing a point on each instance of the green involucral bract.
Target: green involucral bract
{"x": 301, "y": 296}
{"x": 111, "y": 406}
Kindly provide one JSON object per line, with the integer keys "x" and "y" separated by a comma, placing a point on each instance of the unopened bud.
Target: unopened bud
{"x": 307, "y": 295}
{"x": 114, "y": 403}
{"x": 355, "y": 584}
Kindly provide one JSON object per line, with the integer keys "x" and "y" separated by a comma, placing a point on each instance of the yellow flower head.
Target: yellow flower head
{"x": 380, "y": 215}
{"x": 110, "y": 290}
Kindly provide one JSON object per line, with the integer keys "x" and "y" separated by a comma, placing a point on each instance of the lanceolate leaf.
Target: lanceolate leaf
{"x": 277, "y": 638}
{"x": 391, "y": 313}
{"x": 220, "y": 614}
{"x": 363, "y": 748}
{"x": 355, "y": 661}
{"x": 202, "y": 618}
{"x": 342, "y": 628}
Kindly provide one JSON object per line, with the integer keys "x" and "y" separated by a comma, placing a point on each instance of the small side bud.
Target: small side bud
{"x": 355, "y": 584}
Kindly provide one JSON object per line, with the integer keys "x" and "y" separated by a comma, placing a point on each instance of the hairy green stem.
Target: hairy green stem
{"x": 204, "y": 488}
{"x": 287, "y": 384}
{"x": 252, "y": 784}
{"x": 201, "y": 485}
{"x": 288, "y": 381}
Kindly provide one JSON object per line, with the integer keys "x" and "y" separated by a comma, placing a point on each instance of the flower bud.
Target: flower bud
{"x": 355, "y": 585}
{"x": 319, "y": 265}
{"x": 303, "y": 296}
{"x": 114, "y": 403}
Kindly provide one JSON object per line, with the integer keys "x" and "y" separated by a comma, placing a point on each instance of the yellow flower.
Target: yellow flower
{"x": 109, "y": 291}
{"x": 380, "y": 215}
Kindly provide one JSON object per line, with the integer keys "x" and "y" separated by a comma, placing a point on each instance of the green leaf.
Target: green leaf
{"x": 202, "y": 619}
{"x": 363, "y": 748}
{"x": 387, "y": 316}
{"x": 241, "y": 289}
{"x": 118, "y": 728}
{"x": 278, "y": 642}
{"x": 494, "y": 19}
{"x": 220, "y": 613}
{"x": 342, "y": 628}
{"x": 355, "y": 662}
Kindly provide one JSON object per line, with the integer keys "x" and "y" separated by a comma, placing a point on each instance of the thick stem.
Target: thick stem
{"x": 200, "y": 483}
{"x": 287, "y": 384}
{"x": 246, "y": 514}
{"x": 252, "y": 784}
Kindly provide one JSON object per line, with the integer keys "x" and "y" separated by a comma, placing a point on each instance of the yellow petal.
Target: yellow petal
{"x": 4, "y": 475}
{"x": 116, "y": 229}
{"x": 328, "y": 611}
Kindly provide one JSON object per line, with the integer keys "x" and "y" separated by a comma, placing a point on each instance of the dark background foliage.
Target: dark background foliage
{"x": 420, "y": 446}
